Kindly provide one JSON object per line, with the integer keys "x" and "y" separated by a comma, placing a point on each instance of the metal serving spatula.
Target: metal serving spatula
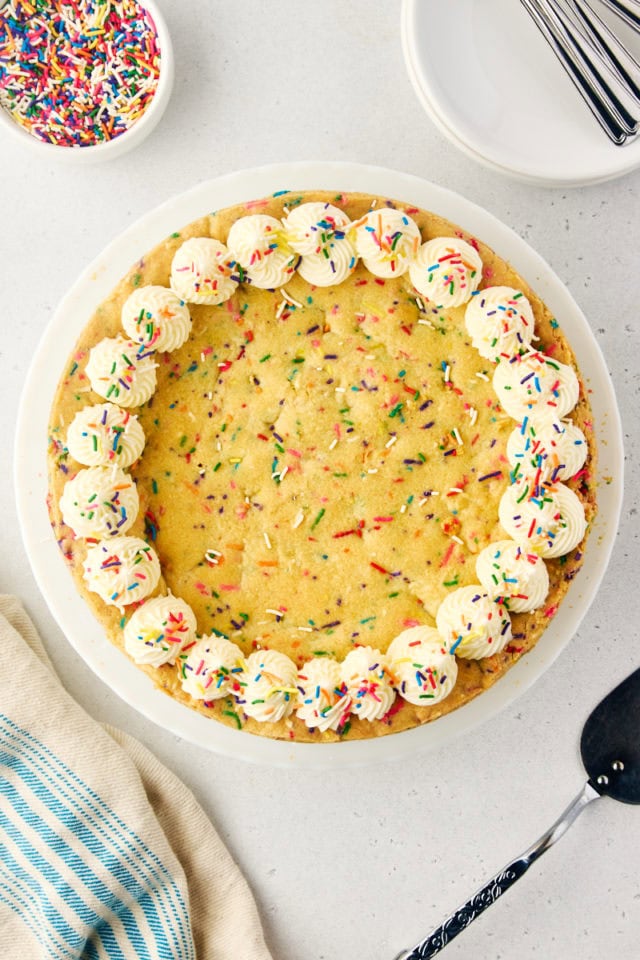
{"x": 610, "y": 748}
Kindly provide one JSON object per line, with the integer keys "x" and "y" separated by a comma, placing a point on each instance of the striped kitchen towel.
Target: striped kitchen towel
{"x": 103, "y": 852}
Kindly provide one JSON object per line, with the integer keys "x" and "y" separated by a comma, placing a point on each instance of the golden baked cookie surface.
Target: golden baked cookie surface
{"x": 322, "y": 465}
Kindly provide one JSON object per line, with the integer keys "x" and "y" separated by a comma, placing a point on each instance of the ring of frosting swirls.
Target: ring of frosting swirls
{"x": 100, "y": 502}
{"x": 387, "y": 240}
{"x": 122, "y": 371}
{"x": 105, "y": 433}
{"x": 500, "y": 322}
{"x": 473, "y": 624}
{"x": 535, "y": 385}
{"x": 508, "y": 570}
{"x": 268, "y": 684}
{"x": 259, "y": 245}
{"x": 156, "y": 317}
{"x": 554, "y": 450}
{"x": 545, "y": 519}
{"x": 202, "y": 272}
{"x": 122, "y": 570}
{"x": 446, "y": 270}
{"x": 323, "y": 703}
{"x": 319, "y": 232}
{"x": 425, "y": 673}
{"x": 211, "y": 668}
{"x": 549, "y": 518}
{"x": 368, "y": 681}
{"x": 159, "y": 630}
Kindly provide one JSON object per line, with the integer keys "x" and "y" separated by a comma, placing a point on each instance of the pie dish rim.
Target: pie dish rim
{"x": 95, "y": 283}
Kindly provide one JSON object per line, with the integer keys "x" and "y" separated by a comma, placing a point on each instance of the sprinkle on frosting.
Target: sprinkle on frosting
{"x": 535, "y": 385}
{"x": 553, "y": 450}
{"x": 473, "y": 624}
{"x": 259, "y": 245}
{"x": 122, "y": 371}
{"x": 320, "y": 233}
{"x": 547, "y": 518}
{"x": 369, "y": 683}
{"x": 160, "y": 630}
{"x": 100, "y": 502}
{"x": 322, "y": 695}
{"x": 387, "y": 241}
{"x": 156, "y": 317}
{"x": 203, "y": 271}
{"x": 518, "y": 576}
{"x": 122, "y": 571}
{"x": 500, "y": 321}
{"x": 211, "y": 668}
{"x": 446, "y": 270}
{"x": 425, "y": 672}
{"x": 105, "y": 434}
{"x": 268, "y": 682}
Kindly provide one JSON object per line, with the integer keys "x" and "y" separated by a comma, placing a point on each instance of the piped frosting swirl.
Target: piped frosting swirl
{"x": 100, "y": 502}
{"x": 160, "y": 630}
{"x": 122, "y": 371}
{"x": 103, "y": 434}
{"x": 122, "y": 570}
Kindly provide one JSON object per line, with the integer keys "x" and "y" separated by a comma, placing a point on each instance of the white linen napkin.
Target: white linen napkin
{"x": 103, "y": 852}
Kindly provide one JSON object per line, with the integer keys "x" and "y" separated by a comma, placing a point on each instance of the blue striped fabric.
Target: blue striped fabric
{"x": 81, "y": 878}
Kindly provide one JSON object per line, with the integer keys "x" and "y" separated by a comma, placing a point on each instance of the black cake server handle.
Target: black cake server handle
{"x": 500, "y": 883}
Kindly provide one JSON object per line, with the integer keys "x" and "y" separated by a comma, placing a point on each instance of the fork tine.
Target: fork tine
{"x": 593, "y": 99}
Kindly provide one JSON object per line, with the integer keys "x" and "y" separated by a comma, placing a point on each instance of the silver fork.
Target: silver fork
{"x": 628, "y": 10}
{"x": 595, "y": 60}
{"x": 605, "y": 44}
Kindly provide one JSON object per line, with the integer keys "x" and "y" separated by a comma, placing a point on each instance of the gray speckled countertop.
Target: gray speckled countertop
{"x": 364, "y": 862}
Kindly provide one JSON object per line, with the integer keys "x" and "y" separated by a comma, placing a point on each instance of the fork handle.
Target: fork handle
{"x": 489, "y": 893}
{"x": 574, "y": 69}
{"x": 630, "y": 16}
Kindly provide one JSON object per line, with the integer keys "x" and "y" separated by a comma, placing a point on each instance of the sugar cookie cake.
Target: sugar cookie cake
{"x": 322, "y": 465}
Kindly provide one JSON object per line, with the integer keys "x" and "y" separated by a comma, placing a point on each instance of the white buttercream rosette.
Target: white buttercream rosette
{"x": 103, "y": 434}
{"x": 202, "y": 272}
{"x": 322, "y": 696}
{"x": 424, "y": 671}
{"x": 211, "y": 668}
{"x": 509, "y": 570}
{"x": 122, "y": 570}
{"x": 446, "y": 270}
{"x": 365, "y": 673}
{"x": 473, "y": 624}
{"x": 387, "y": 240}
{"x": 258, "y": 243}
{"x": 268, "y": 686}
{"x": 99, "y": 502}
{"x": 500, "y": 321}
{"x": 122, "y": 371}
{"x": 156, "y": 317}
{"x": 159, "y": 630}
{"x": 552, "y": 450}
{"x": 535, "y": 385}
{"x": 550, "y": 519}
{"x": 320, "y": 233}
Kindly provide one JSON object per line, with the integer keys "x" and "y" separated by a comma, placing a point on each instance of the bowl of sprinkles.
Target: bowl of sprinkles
{"x": 90, "y": 76}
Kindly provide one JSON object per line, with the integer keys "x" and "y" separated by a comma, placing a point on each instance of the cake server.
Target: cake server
{"x": 610, "y": 748}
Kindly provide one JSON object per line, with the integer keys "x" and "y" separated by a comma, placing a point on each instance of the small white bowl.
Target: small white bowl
{"x": 132, "y": 137}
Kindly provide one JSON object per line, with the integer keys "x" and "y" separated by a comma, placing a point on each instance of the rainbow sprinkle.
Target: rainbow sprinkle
{"x": 77, "y": 73}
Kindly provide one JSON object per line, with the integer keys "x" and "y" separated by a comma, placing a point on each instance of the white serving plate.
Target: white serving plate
{"x": 96, "y": 282}
{"x": 491, "y": 84}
